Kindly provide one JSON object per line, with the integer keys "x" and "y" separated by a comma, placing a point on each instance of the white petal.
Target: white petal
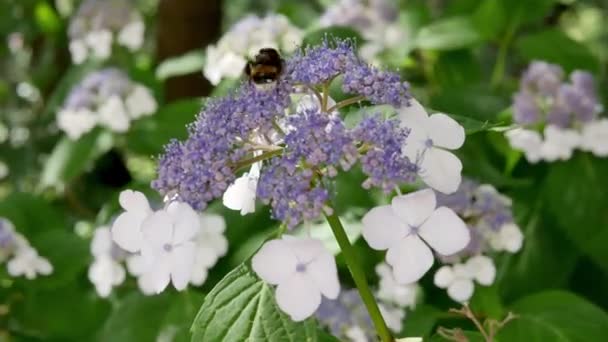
{"x": 113, "y": 114}
{"x": 182, "y": 263}
{"x": 445, "y": 131}
{"x": 126, "y": 231}
{"x": 159, "y": 276}
{"x": 132, "y": 35}
{"x": 274, "y": 262}
{"x": 157, "y": 230}
{"x": 440, "y": 170}
{"x": 140, "y": 102}
{"x": 101, "y": 244}
{"x": 445, "y": 232}
{"x": 212, "y": 223}
{"x": 305, "y": 249}
{"x": 324, "y": 273}
{"x": 138, "y": 264}
{"x": 594, "y": 137}
{"x": 482, "y": 268}
{"x": 382, "y": 228}
{"x": 410, "y": 259}
{"x": 414, "y": 208}
{"x": 414, "y": 111}
{"x": 444, "y": 277}
{"x": 134, "y": 201}
{"x": 100, "y": 42}
{"x": 241, "y": 194}
{"x": 298, "y": 296}
{"x": 78, "y": 50}
{"x": 393, "y": 317}
{"x": 528, "y": 141}
{"x": 199, "y": 275}
{"x": 461, "y": 290}
{"x": 512, "y": 237}
{"x": 186, "y": 222}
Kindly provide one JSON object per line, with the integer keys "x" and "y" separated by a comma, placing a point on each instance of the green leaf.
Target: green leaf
{"x": 180, "y": 315}
{"x": 556, "y": 316}
{"x": 421, "y": 321}
{"x": 188, "y": 63}
{"x": 31, "y": 215}
{"x": 149, "y": 135}
{"x": 342, "y": 32}
{"x": 575, "y": 195}
{"x": 70, "y": 158}
{"x": 136, "y": 318}
{"x": 46, "y": 18}
{"x": 241, "y": 307}
{"x": 71, "y": 313}
{"x": 472, "y": 125}
{"x": 448, "y": 34}
{"x": 544, "y": 45}
{"x": 493, "y": 17}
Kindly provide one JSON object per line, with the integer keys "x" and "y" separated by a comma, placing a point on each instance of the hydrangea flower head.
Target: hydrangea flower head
{"x": 108, "y": 98}
{"x": 554, "y": 114}
{"x": 296, "y": 144}
{"x": 98, "y": 23}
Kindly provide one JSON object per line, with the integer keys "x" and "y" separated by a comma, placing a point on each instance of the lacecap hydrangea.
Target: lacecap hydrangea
{"x": 557, "y": 116}
{"x": 299, "y": 149}
{"x": 107, "y": 98}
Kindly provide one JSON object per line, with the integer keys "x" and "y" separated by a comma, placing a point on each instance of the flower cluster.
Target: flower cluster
{"x": 227, "y": 58}
{"x": 106, "y": 97}
{"x": 489, "y": 219}
{"x": 377, "y": 20}
{"x": 24, "y": 259}
{"x": 296, "y": 154}
{"x": 171, "y": 245}
{"x": 557, "y": 116}
{"x": 98, "y": 23}
{"x": 347, "y": 317}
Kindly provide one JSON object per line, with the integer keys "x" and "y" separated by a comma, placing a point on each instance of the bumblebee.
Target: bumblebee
{"x": 265, "y": 68}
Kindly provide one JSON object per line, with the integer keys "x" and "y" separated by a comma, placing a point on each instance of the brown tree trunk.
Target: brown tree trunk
{"x": 185, "y": 25}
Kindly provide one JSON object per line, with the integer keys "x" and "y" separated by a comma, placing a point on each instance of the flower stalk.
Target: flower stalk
{"x": 359, "y": 278}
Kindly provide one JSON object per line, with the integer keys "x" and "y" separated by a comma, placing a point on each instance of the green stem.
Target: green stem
{"x": 359, "y": 277}
{"x": 499, "y": 68}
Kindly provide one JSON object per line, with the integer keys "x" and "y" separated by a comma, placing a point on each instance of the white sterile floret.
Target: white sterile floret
{"x": 428, "y": 143}
{"x": 126, "y": 230}
{"x": 169, "y": 245}
{"x": 405, "y": 228}
{"x": 594, "y": 137}
{"x": 140, "y": 102}
{"x": 78, "y": 50}
{"x": 403, "y": 295}
{"x": 355, "y": 333}
{"x": 393, "y": 316}
{"x": 527, "y": 141}
{"x": 241, "y": 194}
{"x": 458, "y": 279}
{"x": 302, "y": 269}
{"x": 138, "y": 266}
{"x": 113, "y": 114}
{"x": 26, "y": 262}
{"x": 132, "y": 35}
{"x": 508, "y": 238}
{"x": 226, "y": 64}
{"x": 559, "y": 143}
{"x": 3, "y": 170}
{"x": 211, "y": 244}
{"x": 105, "y": 272}
{"x": 100, "y": 43}
{"x": 75, "y": 123}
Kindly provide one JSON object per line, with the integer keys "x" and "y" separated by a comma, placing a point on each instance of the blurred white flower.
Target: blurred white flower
{"x": 132, "y": 35}
{"x": 302, "y": 269}
{"x": 528, "y": 141}
{"x": 26, "y": 262}
{"x": 241, "y": 194}
{"x": 356, "y": 334}
{"x": 405, "y": 228}
{"x": 508, "y": 238}
{"x": 211, "y": 244}
{"x": 76, "y": 123}
{"x": 105, "y": 272}
{"x": 113, "y": 115}
{"x": 393, "y": 316}
{"x": 594, "y": 137}
{"x": 140, "y": 102}
{"x": 78, "y": 50}
{"x": 458, "y": 279}
{"x": 559, "y": 143}
{"x": 428, "y": 143}
{"x": 389, "y": 291}
{"x": 99, "y": 43}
